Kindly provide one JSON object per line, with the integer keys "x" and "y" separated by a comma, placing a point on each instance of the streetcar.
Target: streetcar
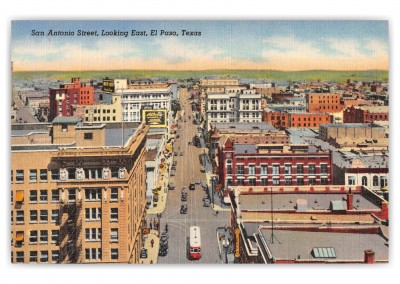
{"x": 195, "y": 243}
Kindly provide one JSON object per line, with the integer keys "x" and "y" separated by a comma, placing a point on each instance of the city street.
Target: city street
{"x": 188, "y": 170}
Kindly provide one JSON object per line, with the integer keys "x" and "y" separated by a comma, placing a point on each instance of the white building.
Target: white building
{"x": 233, "y": 106}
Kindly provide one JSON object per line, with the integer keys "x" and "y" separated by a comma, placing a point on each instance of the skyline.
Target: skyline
{"x": 230, "y": 45}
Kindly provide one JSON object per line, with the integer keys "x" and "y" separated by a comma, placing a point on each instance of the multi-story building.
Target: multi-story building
{"x": 365, "y": 114}
{"x": 101, "y": 112}
{"x": 63, "y": 98}
{"x": 243, "y": 106}
{"x": 283, "y": 120}
{"x": 272, "y": 164}
{"x": 323, "y": 102}
{"x": 77, "y": 192}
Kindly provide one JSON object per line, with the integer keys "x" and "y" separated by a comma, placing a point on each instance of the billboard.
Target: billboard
{"x": 155, "y": 118}
{"x": 108, "y": 85}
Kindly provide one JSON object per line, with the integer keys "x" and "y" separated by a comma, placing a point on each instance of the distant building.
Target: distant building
{"x": 284, "y": 120}
{"x": 365, "y": 114}
{"x": 101, "y": 112}
{"x": 323, "y": 102}
{"x": 77, "y": 192}
{"x": 68, "y": 94}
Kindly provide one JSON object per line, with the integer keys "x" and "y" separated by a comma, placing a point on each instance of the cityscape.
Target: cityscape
{"x": 200, "y": 165}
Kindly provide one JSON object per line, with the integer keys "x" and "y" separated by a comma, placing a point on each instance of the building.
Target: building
{"x": 243, "y": 106}
{"x": 77, "y": 192}
{"x": 101, "y": 112}
{"x": 323, "y": 102}
{"x": 354, "y": 135}
{"x": 68, "y": 94}
{"x": 272, "y": 164}
{"x": 284, "y": 120}
{"x": 365, "y": 114}
{"x": 309, "y": 224}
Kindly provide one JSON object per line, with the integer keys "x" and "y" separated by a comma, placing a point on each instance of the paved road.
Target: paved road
{"x": 187, "y": 170}
{"x": 23, "y": 112}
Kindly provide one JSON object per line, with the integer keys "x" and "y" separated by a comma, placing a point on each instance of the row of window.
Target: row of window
{"x": 42, "y": 237}
{"x": 35, "y": 216}
{"x": 35, "y": 256}
{"x": 95, "y": 254}
{"x": 351, "y": 180}
{"x": 287, "y": 170}
{"x": 276, "y": 181}
{"x": 94, "y": 234}
{"x": 33, "y": 175}
{"x": 99, "y": 111}
{"x": 104, "y": 118}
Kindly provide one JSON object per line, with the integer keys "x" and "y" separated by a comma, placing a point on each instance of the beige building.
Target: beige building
{"x": 77, "y": 195}
{"x": 104, "y": 112}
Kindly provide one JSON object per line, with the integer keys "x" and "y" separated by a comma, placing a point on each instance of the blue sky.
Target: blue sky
{"x": 279, "y": 45}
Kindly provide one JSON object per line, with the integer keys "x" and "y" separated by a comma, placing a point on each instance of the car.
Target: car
{"x": 184, "y": 209}
{"x": 180, "y": 153}
{"x": 198, "y": 181}
{"x": 175, "y": 154}
{"x": 164, "y": 243}
{"x": 163, "y": 251}
{"x": 202, "y": 169}
{"x": 143, "y": 253}
{"x": 164, "y": 236}
{"x": 183, "y": 190}
{"x": 192, "y": 186}
{"x": 174, "y": 163}
{"x": 172, "y": 173}
{"x": 171, "y": 186}
{"x": 204, "y": 185}
{"x": 206, "y": 202}
{"x": 173, "y": 168}
{"x": 184, "y": 197}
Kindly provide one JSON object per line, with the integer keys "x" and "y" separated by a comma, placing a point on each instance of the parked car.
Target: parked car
{"x": 184, "y": 209}
{"x": 181, "y": 153}
{"x": 184, "y": 197}
{"x": 204, "y": 185}
{"x": 143, "y": 253}
{"x": 192, "y": 186}
{"x": 173, "y": 168}
{"x": 206, "y": 202}
{"x": 198, "y": 181}
{"x": 174, "y": 163}
{"x": 172, "y": 173}
{"x": 163, "y": 251}
{"x": 171, "y": 186}
{"x": 202, "y": 169}
{"x": 175, "y": 154}
{"x": 183, "y": 190}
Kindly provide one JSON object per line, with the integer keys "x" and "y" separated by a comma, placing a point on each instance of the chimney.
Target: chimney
{"x": 369, "y": 256}
{"x": 349, "y": 201}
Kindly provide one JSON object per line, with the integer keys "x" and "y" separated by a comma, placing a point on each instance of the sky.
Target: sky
{"x": 266, "y": 45}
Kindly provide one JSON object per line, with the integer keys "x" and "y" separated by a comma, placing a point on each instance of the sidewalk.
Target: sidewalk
{"x": 215, "y": 207}
{"x": 152, "y": 252}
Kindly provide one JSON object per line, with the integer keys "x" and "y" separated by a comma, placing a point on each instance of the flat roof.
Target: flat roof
{"x": 243, "y": 126}
{"x": 67, "y": 119}
{"x": 113, "y": 136}
{"x": 288, "y": 201}
{"x": 290, "y": 244}
{"x": 351, "y": 125}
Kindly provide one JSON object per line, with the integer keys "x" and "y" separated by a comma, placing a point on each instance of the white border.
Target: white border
{"x": 205, "y": 9}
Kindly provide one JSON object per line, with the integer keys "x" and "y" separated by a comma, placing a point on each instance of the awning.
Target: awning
{"x": 168, "y": 147}
{"x": 20, "y": 196}
{"x": 20, "y": 236}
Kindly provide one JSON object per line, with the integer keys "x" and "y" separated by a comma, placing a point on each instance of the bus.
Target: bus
{"x": 195, "y": 243}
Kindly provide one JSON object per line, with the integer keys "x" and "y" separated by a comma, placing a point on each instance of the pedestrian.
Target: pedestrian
{"x": 151, "y": 226}
{"x": 216, "y": 213}
{"x": 152, "y": 243}
{"x": 166, "y": 227}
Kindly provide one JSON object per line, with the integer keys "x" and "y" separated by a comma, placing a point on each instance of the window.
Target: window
{"x": 114, "y": 172}
{"x": 114, "y": 253}
{"x": 275, "y": 181}
{"x": 33, "y": 216}
{"x": 88, "y": 136}
{"x": 44, "y": 256}
{"x": 55, "y": 255}
{"x": 264, "y": 170}
{"x": 43, "y": 216}
{"x": 324, "y": 181}
{"x": 114, "y": 214}
{"x": 19, "y": 176}
{"x": 92, "y": 214}
{"x": 364, "y": 181}
{"x": 32, "y": 196}
{"x": 240, "y": 169}
{"x": 114, "y": 193}
{"x": 44, "y": 236}
{"x": 299, "y": 169}
{"x": 311, "y": 169}
{"x": 54, "y": 236}
{"x": 240, "y": 182}
{"x": 300, "y": 181}
{"x": 33, "y": 237}
{"x": 288, "y": 181}
{"x": 275, "y": 169}
{"x": 71, "y": 195}
{"x": 55, "y": 174}
{"x": 312, "y": 181}
{"x": 32, "y": 175}
{"x": 43, "y": 175}
{"x": 20, "y": 217}
{"x": 383, "y": 181}
{"x": 288, "y": 169}
{"x": 20, "y": 256}
{"x": 93, "y": 234}
{"x": 93, "y": 194}
{"x": 93, "y": 254}
{"x": 324, "y": 168}
{"x": 375, "y": 181}
{"x": 114, "y": 235}
{"x": 55, "y": 195}
{"x": 252, "y": 169}
{"x": 252, "y": 181}
{"x": 351, "y": 180}
{"x": 33, "y": 256}
{"x": 264, "y": 181}
{"x": 43, "y": 196}
{"x": 54, "y": 216}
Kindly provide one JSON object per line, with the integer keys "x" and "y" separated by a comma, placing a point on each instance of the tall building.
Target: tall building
{"x": 63, "y": 98}
{"x": 323, "y": 102}
{"x": 365, "y": 114}
{"x": 77, "y": 192}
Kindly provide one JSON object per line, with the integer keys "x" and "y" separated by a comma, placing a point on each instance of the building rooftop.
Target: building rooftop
{"x": 67, "y": 120}
{"x": 374, "y": 109}
{"x": 293, "y": 244}
{"x": 243, "y": 126}
{"x": 351, "y": 125}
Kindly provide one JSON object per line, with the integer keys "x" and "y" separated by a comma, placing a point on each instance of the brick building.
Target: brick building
{"x": 283, "y": 120}
{"x": 77, "y": 192}
{"x": 63, "y": 98}
{"x": 323, "y": 102}
{"x": 272, "y": 164}
{"x": 365, "y": 114}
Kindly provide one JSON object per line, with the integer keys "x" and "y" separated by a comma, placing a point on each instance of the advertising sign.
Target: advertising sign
{"x": 155, "y": 118}
{"x": 108, "y": 85}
